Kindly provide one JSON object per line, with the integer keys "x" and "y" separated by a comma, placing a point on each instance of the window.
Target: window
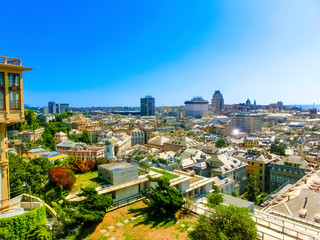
{"x": 260, "y": 171}
{"x": 14, "y": 80}
{"x": 1, "y": 91}
{"x": 14, "y": 89}
{"x": 260, "y": 165}
{"x": 1, "y": 79}
{"x": 260, "y": 178}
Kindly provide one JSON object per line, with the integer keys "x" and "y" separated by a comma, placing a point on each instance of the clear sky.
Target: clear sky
{"x": 112, "y": 52}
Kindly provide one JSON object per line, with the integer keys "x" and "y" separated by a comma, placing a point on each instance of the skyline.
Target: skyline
{"x": 173, "y": 51}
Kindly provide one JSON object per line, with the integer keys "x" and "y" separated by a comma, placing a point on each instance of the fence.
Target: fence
{"x": 294, "y": 218}
{"x": 126, "y": 201}
{"x": 285, "y": 230}
{"x": 288, "y": 222}
{"x": 267, "y": 235}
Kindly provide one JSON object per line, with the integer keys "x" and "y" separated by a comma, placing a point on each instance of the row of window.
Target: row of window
{"x": 14, "y": 91}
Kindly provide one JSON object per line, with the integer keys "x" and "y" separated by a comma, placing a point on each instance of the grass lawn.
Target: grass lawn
{"x": 165, "y": 173}
{"x": 132, "y": 223}
{"x": 89, "y": 179}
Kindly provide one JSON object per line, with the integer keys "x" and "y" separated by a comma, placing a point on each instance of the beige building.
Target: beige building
{"x": 80, "y": 150}
{"x": 31, "y": 135}
{"x": 246, "y": 122}
{"x": 60, "y": 137}
{"x": 11, "y": 111}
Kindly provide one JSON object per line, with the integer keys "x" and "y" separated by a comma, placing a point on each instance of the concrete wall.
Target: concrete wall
{"x": 116, "y": 177}
{"x": 127, "y": 192}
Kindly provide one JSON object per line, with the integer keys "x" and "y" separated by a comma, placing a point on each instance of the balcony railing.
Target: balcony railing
{"x": 10, "y": 61}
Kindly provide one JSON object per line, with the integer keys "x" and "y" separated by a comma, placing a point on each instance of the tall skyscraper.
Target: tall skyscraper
{"x": 147, "y": 106}
{"x": 196, "y": 107}
{"x": 217, "y": 102}
{"x": 280, "y": 105}
{"x": 58, "y": 110}
{"x": 64, "y": 107}
{"x": 52, "y": 106}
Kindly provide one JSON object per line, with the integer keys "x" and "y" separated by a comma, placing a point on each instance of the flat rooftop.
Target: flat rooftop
{"x": 117, "y": 166}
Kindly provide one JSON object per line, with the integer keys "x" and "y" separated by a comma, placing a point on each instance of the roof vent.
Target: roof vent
{"x": 303, "y": 213}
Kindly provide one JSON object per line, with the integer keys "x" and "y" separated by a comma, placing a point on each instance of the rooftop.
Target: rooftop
{"x": 12, "y": 63}
{"x": 117, "y": 166}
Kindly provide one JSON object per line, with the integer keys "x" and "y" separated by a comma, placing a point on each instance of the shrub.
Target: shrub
{"x": 79, "y": 166}
{"x": 225, "y": 222}
{"x": 17, "y": 227}
{"x": 63, "y": 177}
{"x": 100, "y": 161}
{"x": 163, "y": 200}
{"x": 91, "y": 164}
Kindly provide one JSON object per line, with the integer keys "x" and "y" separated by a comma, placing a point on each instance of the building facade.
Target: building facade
{"x": 138, "y": 137}
{"x": 287, "y": 171}
{"x": 226, "y": 166}
{"x": 52, "y": 107}
{"x": 11, "y": 111}
{"x": 259, "y": 166}
{"x": 246, "y": 122}
{"x": 196, "y": 107}
{"x": 217, "y": 102}
{"x": 147, "y": 106}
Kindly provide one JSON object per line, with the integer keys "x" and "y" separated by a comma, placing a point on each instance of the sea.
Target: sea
{"x": 305, "y": 106}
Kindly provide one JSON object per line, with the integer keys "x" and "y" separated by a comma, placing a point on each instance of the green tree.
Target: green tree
{"x": 252, "y": 190}
{"x": 144, "y": 165}
{"x": 225, "y": 222}
{"x": 163, "y": 200}
{"x": 234, "y": 194}
{"x": 214, "y": 199}
{"x": 41, "y": 232}
{"x": 86, "y": 137}
{"x": 31, "y": 121}
{"x": 278, "y": 148}
{"x": 74, "y": 215}
{"x": 221, "y": 142}
{"x": 34, "y": 173}
{"x": 74, "y": 137}
{"x": 17, "y": 174}
{"x": 50, "y": 130}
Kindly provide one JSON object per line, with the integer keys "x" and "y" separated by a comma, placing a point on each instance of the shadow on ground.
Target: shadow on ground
{"x": 145, "y": 219}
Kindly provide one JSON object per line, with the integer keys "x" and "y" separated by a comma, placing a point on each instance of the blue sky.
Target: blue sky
{"x": 111, "y": 53}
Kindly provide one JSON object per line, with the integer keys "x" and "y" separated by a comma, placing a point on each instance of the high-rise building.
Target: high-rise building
{"x": 11, "y": 111}
{"x": 217, "y": 101}
{"x": 58, "y": 110}
{"x": 52, "y": 106}
{"x": 248, "y": 102}
{"x": 196, "y": 107}
{"x": 280, "y": 105}
{"x": 64, "y": 107}
{"x": 246, "y": 122}
{"x": 147, "y": 106}
{"x": 45, "y": 111}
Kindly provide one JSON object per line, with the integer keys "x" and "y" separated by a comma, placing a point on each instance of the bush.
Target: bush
{"x": 100, "y": 161}
{"x": 79, "y": 166}
{"x": 91, "y": 164}
{"x": 214, "y": 199}
{"x": 163, "y": 200}
{"x": 17, "y": 227}
{"x": 63, "y": 177}
{"x": 225, "y": 222}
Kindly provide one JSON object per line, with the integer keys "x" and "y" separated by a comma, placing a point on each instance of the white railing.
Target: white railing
{"x": 302, "y": 220}
{"x": 288, "y": 222}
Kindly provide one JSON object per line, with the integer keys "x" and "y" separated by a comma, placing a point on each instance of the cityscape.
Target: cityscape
{"x": 171, "y": 148}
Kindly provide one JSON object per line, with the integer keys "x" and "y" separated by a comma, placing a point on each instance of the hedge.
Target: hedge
{"x": 18, "y": 226}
